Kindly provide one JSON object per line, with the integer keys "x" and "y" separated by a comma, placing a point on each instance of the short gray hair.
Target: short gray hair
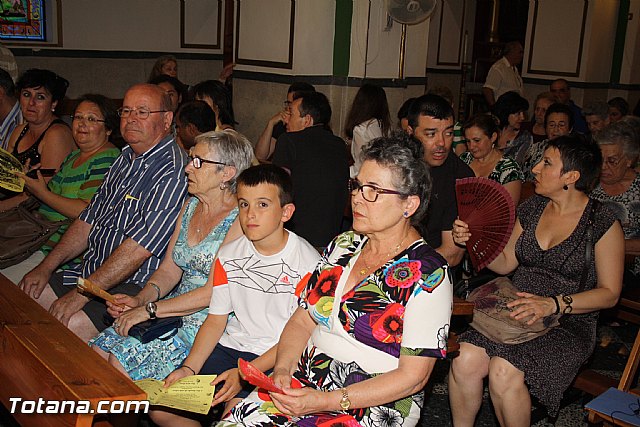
{"x": 403, "y": 155}
{"x": 232, "y": 148}
{"x": 600, "y": 109}
{"x": 623, "y": 134}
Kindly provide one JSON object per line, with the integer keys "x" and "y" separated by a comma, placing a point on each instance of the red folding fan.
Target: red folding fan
{"x": 256, "y": 377}
{"x": 490, "y": 212}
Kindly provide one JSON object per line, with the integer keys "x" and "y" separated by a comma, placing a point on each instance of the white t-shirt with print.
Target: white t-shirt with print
{"x": 258, "y": 292}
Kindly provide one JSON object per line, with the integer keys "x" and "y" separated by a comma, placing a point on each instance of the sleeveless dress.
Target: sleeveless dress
{"x": 551, "y": 362}
{"x": 32, "y": 152}
{"x": 159, "y": 358}
{"x": 402, "y": 308}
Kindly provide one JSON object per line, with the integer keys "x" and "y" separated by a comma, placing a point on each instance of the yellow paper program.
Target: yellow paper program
{"x": 193, "y": 394}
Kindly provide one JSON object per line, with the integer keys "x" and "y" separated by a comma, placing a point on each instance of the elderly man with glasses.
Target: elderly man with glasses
{"x": 126, "y": 228}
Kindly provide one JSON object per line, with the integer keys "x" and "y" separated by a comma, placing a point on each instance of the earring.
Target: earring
{"x": 223, "y": 185}
{"x": 565, "y": 187}
{"x": 405, "y": 214}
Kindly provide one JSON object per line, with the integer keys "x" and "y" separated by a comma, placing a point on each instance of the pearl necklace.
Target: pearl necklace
{"x": 364, "y": 270}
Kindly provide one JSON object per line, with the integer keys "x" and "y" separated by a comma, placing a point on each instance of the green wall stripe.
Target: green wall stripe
{"x": 342, "y": 38}
{"x": 618, "y": 47}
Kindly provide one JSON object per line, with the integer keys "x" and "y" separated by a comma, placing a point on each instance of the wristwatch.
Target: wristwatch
{"x": 568, "y": 301}
{"x": 152, "y": 308}
{"x": 345, "y": 403}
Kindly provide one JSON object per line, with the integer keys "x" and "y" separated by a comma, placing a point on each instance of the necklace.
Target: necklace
{"x": 364, "y": 270}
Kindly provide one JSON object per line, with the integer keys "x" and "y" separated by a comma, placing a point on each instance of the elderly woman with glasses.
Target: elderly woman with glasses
{"x": 619, "y": 186}
{"x": 373, "y": 316}
{"x": 81, "y": 173}
{"x": 207, "y": 220}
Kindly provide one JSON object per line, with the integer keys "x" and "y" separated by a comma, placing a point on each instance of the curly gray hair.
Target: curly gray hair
{"x": 403, "y": 155}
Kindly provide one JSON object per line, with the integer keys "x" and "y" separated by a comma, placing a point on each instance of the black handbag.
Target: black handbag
{"x": 23, "y": 231}
{"x": 161, "y": 328}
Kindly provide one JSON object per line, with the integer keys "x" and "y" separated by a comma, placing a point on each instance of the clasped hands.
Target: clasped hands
{"x": 128, "y": 312}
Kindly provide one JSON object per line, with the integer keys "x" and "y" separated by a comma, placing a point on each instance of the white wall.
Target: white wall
{"x": 383, "y": 50}
{"x": 123, "y": 25}
{"x": 631, "y": 60}
{"x": 131, "y": 25}
{"x": 265, "y": 30}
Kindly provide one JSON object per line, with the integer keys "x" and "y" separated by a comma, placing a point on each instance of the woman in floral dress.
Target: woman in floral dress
{"x": 374, "y": 315}
{"x": 207, "y": 220}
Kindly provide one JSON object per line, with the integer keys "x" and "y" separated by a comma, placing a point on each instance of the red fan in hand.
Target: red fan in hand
{"x": 490, "y": 212}
{"x": 256, "y": 377}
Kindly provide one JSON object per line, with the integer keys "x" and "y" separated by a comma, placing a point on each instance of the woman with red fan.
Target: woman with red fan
{"x": 374, "y": 315}
{"x": 486, "y": 160}
{"x": 548, "y": 251}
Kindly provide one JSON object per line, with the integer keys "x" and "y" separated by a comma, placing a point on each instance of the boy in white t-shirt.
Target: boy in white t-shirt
{"x": 254, "y": 279}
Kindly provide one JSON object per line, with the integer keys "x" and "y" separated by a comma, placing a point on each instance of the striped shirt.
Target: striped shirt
{"x": 79, "y": 182}
{"x": 140, "y": 199}
{"x": 13, "y": 119}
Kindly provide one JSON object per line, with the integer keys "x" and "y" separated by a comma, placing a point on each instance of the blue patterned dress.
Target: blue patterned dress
{"x": 403, "y": 308}
{"x": 159, "y": 358}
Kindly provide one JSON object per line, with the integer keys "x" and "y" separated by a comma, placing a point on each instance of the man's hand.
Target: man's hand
{"x": 65, "y": 307}
{"x": 34, "y": 282}
{"x": 280, "y": 116}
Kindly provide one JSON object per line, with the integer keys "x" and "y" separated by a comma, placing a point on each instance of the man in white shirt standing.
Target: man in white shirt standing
{"x": 504, "y": 76}
{"x": 10, "y": 113}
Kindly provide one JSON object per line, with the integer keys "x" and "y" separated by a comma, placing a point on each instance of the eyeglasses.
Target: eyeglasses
{"x": 369, "y": 192}
{"x": 140, "y": 113}
{"x": 88, "y": 119}
{"x": 612, "y": 161}
{"x": 198, "y": 161}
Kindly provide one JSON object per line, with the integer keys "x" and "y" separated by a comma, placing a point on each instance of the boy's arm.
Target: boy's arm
{"x": 267, "y": 360}
{"x": 206, "y": 339}
{"x": 231, "y": 378}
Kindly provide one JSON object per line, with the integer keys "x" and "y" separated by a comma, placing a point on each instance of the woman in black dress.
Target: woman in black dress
{"x": 547, "y": 252}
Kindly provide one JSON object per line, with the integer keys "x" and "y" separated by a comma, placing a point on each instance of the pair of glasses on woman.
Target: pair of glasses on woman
{"x": 87, "y": 119}
{"x": 197, "y": 162}
{"x": 369, "y": 192}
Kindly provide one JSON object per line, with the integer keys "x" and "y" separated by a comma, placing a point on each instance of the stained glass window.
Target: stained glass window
{"x": 22, "y": 20}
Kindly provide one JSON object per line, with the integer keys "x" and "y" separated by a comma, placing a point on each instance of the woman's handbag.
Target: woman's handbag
{"x": 162, "y": 328}
{"x": 23, "y": 231}
{"x": 491, "y": 316}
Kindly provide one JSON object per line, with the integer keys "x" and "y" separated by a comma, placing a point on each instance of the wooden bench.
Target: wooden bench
{"x": 461, "y": 307}
{"x": 41, "y": 358}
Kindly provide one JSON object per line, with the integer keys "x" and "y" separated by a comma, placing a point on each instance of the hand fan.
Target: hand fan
{"x": 256, "y": 377}
{"x": 490, "y": 212}
{"x": 87, "y": 286}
